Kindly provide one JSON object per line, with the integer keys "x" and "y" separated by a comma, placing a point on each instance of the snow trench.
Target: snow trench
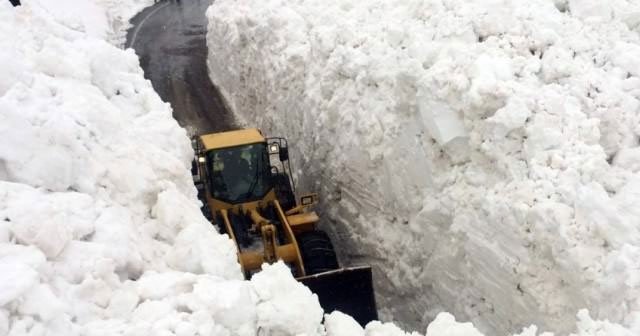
{"x": 100, "y": 227}
{"x": 482, "y": 155}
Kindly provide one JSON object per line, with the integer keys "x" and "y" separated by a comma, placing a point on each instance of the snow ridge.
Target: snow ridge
{"x": 483, "y": 155}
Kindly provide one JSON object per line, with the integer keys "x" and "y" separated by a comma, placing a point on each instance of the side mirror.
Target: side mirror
{"x": 284, "y": 154}
{"x": 308, "y": 200}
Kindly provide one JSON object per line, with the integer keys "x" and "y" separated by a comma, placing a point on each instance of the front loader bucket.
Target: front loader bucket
{"x": 349, "y": 290}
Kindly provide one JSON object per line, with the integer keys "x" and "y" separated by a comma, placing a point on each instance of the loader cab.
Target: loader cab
{"x": 239, "y": 174}
{"x": 243, "y": 166}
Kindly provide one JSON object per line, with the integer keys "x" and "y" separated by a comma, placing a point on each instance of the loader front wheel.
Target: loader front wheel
{"x": 317, "y": 252}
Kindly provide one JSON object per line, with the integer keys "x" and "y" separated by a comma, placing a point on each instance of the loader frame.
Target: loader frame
{"x": 275, "y": 225}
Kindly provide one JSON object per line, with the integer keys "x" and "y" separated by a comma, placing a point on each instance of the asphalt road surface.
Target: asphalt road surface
{"x": 170, "y": 40}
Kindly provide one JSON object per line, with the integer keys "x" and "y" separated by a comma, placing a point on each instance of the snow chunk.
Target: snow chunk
{"x": 280, "y": 299}
{"x": 48, "y": 236}
{"x": 194, "y": 248}
{"x": 156, "y": 286}
{"x": 231, "y": 303}
{"x": 17, "y": 279}
{"x": 377, "y": 328}
{"x": 445, "y": 325}
{"x": 339, "y": 324}
{"x": 122, "y": 303}
{"x": 26, "y": 255}
{"x": 43, "y": 303}
{"x": 588, "y": 327}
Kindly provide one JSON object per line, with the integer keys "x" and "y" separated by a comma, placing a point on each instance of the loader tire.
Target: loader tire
{"x": 317, "y": 252}
{"x": 194, "y": 167}
{"x": 219, "y": 223}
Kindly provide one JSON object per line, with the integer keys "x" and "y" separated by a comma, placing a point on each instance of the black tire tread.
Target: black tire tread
{"x": 317, "y": 252}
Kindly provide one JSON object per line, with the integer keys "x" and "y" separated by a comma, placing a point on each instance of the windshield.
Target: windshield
{"x": 239, "y": 174}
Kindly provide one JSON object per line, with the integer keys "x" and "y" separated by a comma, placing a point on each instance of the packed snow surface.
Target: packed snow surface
{"x": 482, "y": 155}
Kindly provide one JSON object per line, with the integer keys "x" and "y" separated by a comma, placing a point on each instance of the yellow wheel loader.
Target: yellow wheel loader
{"x": 244, "y": 181}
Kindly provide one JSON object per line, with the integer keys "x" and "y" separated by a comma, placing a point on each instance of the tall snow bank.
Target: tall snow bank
{"x": 100, "y": 227}
{"x": 103, "y": 19}
{"x": 482, "y": 155}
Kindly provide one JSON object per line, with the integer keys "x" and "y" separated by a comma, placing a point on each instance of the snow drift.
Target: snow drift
{"x": 482, "y": 155}
{"x": 100, "y": 227}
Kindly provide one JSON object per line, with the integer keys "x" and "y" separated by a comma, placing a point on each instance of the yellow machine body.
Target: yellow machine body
{"x": 293, "y": 222}
{"x": 248, "y": 198}
{"x": 231, "y": 139}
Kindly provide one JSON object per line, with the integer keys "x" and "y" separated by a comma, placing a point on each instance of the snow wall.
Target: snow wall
{"x": 100, "y": 227}
{"x": 481, "y": 155}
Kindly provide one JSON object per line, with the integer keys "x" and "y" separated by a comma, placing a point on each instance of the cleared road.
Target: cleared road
{"x": 170, "y": 40}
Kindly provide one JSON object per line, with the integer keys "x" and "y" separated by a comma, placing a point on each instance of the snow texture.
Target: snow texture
{"x": 482, "y": 155}
{"x": 100, "y": 227}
